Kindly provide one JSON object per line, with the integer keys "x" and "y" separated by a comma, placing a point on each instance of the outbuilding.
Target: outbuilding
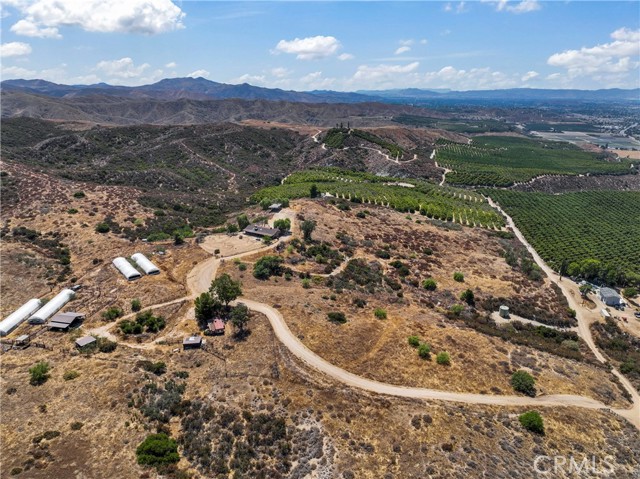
{"x": 274, "y": 208}
{"x": 147, "y": 266}
{"x": 85, "y": 341}
{"x": 126, "y": 269}
{"x": 20, "y": 315}
{"x": 504, "y": 311}
{"x": 605, "y": 314}
{"x": 260, "y": 231}
{"x": 63, "y": 321}
{"x": 53, "y": 306}
{"x": 610, "y": 297}
{"x": 192, "y": 342}
{"x": 216, "y": 326}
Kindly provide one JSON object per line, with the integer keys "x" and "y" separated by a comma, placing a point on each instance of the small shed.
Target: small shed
{"x": 85, "y": 341}
{"x": 147, "y": 266}
{"x": 260, "y": 231}
{"x": 274, "y": 208}
{"x": 192, "y": 342}
{"x": 22, "y": 340}
{"x": 216, "y": 326}
{"x": 504, "y": 311}
{"x": 126, "y": 269}
{"x": 64, "y": 321}
{"x": 605, "y": 314}
{"x": 610, "y": 297}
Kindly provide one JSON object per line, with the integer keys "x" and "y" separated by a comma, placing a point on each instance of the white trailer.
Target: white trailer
{"x": 147, "y": 266}
{"x": 20, "y": 315}
{"x": 126, "y": 269}
{"x": 52, "y": 307}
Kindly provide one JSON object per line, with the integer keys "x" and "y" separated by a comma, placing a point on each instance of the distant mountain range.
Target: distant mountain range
{"x": 202, "y": 89}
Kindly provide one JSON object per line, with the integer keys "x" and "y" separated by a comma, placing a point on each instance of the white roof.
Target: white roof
{"x": 126, "y": 269}
{"x": 52, "y": 307}
{"x": 147, "y": 266}
{"x": 12, "y": 321}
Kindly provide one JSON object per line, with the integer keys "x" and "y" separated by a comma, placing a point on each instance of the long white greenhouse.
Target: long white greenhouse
{"x": 52, "y": 306}
{"x": 126, "y": 269}
{"x": 20, "y": 315}
{"x": 147, "y": 266}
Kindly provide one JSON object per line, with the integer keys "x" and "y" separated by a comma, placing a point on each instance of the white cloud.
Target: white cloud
{"x": 383, "y": 72}
{"x": 316, "y": 81}
{"x": 17, "y": 72}
{"x": 616, "y": 58}
{"x": 529, "y": 76}
{"x": 461, "y": 7}
{"x": 402, "y": 50}
{"x": 43, "y": 18}
{"x": 424, "y": 41}
{"x": 310, "y": 48}
{"x": 473, "y": 79}
{"x": 171, "y": 65}
{"x": 345, "y": 56}
{"x": 524, "y": 6}
{"x": 251, "y": 79}
{"x": 123, "y": 68}
{"x": 199, "y": 73}
{"x": 14, "y": 49}
{"x": 280, "y": 72}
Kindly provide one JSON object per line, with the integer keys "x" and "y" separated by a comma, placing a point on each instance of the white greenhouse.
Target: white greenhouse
{"x": 12, "y": 321}
{"x": 126, "y": 269}
{"x": 147, "y": 266}
{"x": 52, "y": 306}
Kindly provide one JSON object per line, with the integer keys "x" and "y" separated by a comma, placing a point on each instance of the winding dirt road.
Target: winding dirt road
{"x": 202, "y": 274}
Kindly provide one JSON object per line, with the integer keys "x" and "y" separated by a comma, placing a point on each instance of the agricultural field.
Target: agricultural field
{"x": 430, "y": 200}
{"x": 338, "y": 138}
{"x": 505, "y": 161}
{"x": 570, "y": 229}
{"x": 455, "y": 125}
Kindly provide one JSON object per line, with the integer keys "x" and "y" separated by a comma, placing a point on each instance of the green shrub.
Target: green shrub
{"x": 630, "y": 292}
{"x": 380, "y": 313}
{"x": 136, "y": 305}
{"x": 306, "y": 283}
{"x": 337, "y": 317}
{"x": 414, "y": 341}
{"x": 459, "y": 277}
{"x": 39, "y": 373}
{"x": 523, "y": 382}
{"x": 468, "y": 297}
{"x": 112, "y": 313}
{"x": 242, "y": 267}
{"x": 102, "y": 228}
{"x": 455, "y": 310}
{"x": 383, "y": 254}
{"x": 443, "y": 358}
{"x": 429, "y": 284}
{"x": 571, "y": 312}
{"x": 157, "y": 450}
{"x": 79, "y": 194}
{"x": 76, "y": 426}
{"x": 70, "y": 375}
{"x": 157, "y": 368}
{"x": 105, "y": 345}
{"x": 268, "y": 266}
{"x": 359, "y": 303}
{"x": 532, "y": 421}
{"x": 72, "y": 211}
{"x": 424, "y": 351}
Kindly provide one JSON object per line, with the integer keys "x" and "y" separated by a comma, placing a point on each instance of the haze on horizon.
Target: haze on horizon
{"x": 343, "y": 46}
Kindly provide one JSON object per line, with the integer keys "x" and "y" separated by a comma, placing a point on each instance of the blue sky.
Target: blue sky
{"x": 326, "y": 45}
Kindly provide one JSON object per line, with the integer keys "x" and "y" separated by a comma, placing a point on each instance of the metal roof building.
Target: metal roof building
{"x": 126, "y": 269}
{"x": 261, "y": 231}
{"x": 52, "y": 307}
{"x": 610, "y": 297}
{"x": 192, "y": 342}
{"x": 147, "y": 266}
{"x": 20, "y": 315}
{"x": 85, "y": 341}
{"x": 64, "y": 320}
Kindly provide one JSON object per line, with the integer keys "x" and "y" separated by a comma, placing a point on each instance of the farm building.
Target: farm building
{"x": 63, "y": 321}
{"x": 85, "y": 341}
{"x": 261, "y": 231}
{"x": 147, "y": 266}
{"x": 53, "y": 306}
{"x": 192, "y": 342}
{"x": 274, "y": 208}
{"x": 12, "y": 321}
{"x": 216, "y": 326}
{"x": 610, "y": 297}
{"x": 126, "y": 269}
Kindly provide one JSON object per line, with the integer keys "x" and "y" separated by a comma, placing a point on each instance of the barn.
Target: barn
{"x": 610, "y": 297}
{"x": 63, "y": 321}
{"x": 261, "y": 231}
{"x": 147, "y": 266}
{"x": 126, "y": 269}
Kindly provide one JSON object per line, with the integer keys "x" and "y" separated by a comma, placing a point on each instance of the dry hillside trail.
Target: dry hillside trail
{"x": 199, "y": 279}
